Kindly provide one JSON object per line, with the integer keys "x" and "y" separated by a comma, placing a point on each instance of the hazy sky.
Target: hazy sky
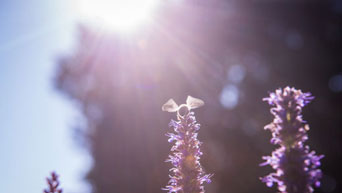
{"x": 36, "y": 120}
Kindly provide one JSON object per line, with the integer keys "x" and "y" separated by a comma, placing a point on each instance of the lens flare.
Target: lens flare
{"x": 119, "y": 15}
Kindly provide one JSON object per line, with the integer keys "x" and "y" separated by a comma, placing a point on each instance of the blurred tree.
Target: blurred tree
{"x": 228, "y": 53}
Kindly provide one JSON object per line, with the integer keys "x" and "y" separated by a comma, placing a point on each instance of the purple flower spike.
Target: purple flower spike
{"x": 296, "y": 167}
{"x": 53, "y": 184}
{"x": 187, "y": 174}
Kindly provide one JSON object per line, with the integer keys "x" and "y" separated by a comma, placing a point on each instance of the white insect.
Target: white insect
{"x": 183, "y": 109}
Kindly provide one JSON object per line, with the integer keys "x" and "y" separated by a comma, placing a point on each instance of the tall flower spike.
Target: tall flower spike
{"x": 53, "y": 184}
{"x": 296, "y": 167}
{"x": 187, "y": 174}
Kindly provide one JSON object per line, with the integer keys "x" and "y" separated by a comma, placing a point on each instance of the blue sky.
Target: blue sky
{"x": 36, "y": 120}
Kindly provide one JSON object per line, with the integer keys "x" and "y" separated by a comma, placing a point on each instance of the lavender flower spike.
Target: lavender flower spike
{"x": 296, "y": 167}
{"x": 187, "y": 174}
{"x": 53, "y": 183}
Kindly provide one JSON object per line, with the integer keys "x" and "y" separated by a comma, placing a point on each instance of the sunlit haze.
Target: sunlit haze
{"x": 84, "y": 84}
{"x": 119, "y": 15}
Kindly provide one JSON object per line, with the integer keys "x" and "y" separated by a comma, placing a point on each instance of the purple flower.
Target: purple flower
{"x": 295, "y": 166}
{"x": 187, "y": 175}
{"x": 53, "y": 184}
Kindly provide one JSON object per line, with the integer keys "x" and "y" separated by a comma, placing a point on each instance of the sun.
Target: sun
{"x": 119, "y": 15}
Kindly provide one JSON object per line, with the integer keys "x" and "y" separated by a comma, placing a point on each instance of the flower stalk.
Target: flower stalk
{"x": 187, "y": 174}
{"x": 296, "y": 167}
{"x": 53, "y": 184}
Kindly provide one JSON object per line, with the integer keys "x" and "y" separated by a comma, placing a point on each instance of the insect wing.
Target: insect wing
{"x": 170, "y": 106}
{"x": 194, "y": 102}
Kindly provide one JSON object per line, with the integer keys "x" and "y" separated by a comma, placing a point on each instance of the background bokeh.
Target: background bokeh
{"x": 228, "y": 53}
